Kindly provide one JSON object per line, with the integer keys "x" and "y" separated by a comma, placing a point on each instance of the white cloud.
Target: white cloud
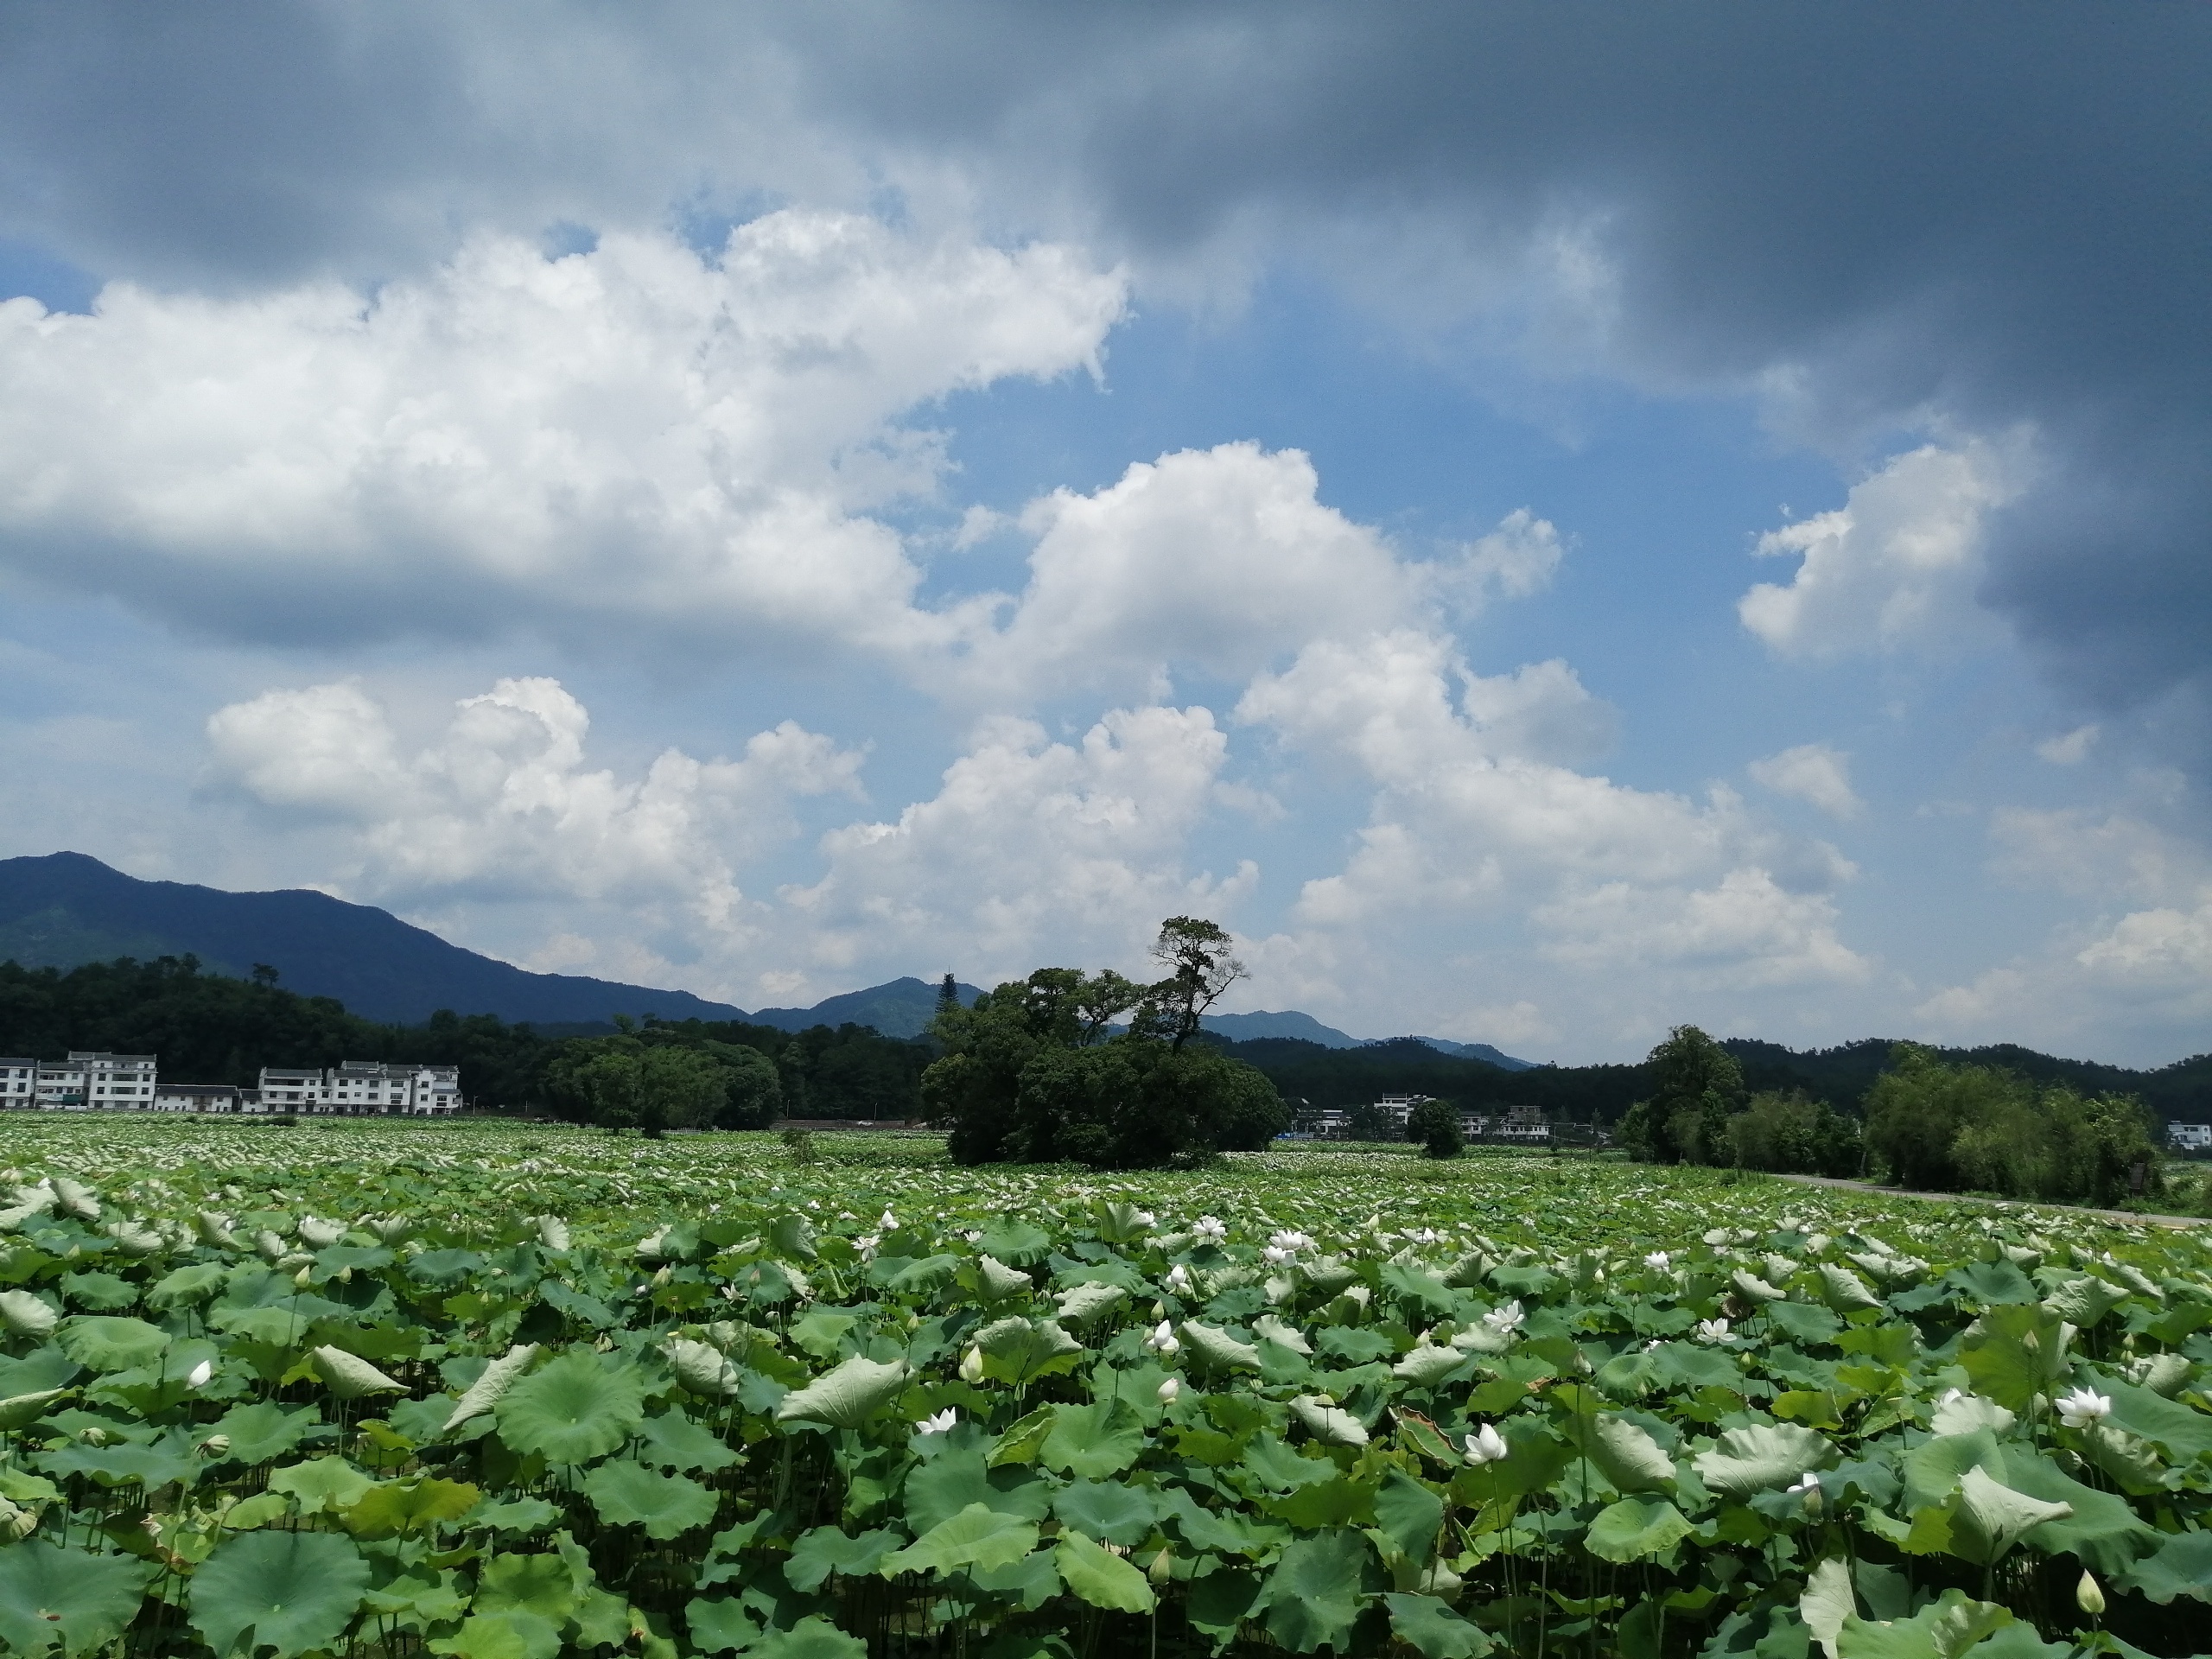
{"x": 1223, "y": 560}
{"x": 1813, "y": 772}
{"x": 1468, "y": 829}
{"x": 632, "y": 439}
{"x": 2108, "y": 856}
{"x": 1896, "y": 566}
{"x": 2069, "y": 749}
{"x": 502, "y": 806}
{"x": 1032, "y": 852}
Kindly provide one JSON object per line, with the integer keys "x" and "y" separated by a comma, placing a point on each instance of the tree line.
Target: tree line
{"x": 1928, "y": 1123}
{"x": 210, "y": 1027}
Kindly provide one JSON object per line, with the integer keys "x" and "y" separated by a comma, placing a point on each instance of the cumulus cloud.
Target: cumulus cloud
{"x": 2069, "y": 748}
{"x": 502, "y": 804}
{"x": 1031, "y": 851}
{"x": 1813, "y": 772}
{"x": 1468, "y": 824}
{"x": 1223, "y": 560}
{"x": 1896, "y": 566}
{"x": 636, "y": 438}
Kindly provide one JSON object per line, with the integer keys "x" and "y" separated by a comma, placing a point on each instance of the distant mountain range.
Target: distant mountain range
{"x": 66, "y": 909}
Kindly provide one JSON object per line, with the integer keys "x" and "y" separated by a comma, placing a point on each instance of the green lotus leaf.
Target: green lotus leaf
{"x": 1944, "y": 1629}
{"x": 66, "y": 1599}
{"x": 718, "y": 1623}
{"x": 552, "y": 1232}
{"x": 1327, "y": 1422}
{"x": 545, "y": 1586}
{"x": 1329, "y": 1275}
{"x": 1101, "y": 1578}
{"x": 2181, "y": 1566}
{"x": 1269, "y": 1328}
{"x": 813, "y": 1637}
{"x": 2103, "y": 1532}
{"x": 1024, "y": 1439}
{"x": 1626, "y": 1454}
{"x": 627, "y": 1494}
{"x": 703, "y": 1368}
{"x": 323, "y": 1483}
{"x": 490, "y": 1384}
{"x": 262, "y": 1430}
{"x": 502, "y": 1635}
{"x": 997, "y": 1282}
{"x": 1106, "y": 1510}
{"x": 1093, "y": 1441}
{"x": 2181, "y": 1432}
{"x": 185, "y": 1285}
{"x": 2083, "y": 1302}
{"x": 1636, "y": 1528}
{"x": 793, "y": 1235}
{"x": 825, "y": 1550}
{"x": 348, "y": 1376}
{"x": 1762, "y": 1459}
{"x": 21, "y": 1410}
{"x": 2162, "y": 1374}
{"x": 402, "y": 1506}
{"x": 1968, "y": 1413}
{"x": 106, "y": 1343}
{"x": 1827, "y": 1602}
{"x": 957, "y": 1477}
{"x": 977, "y": 1537}
{"x": 1020, "y": 1350}
{"x": 1313, "y": 1595}
{"x": 1409, "y": 1515}
{"x": 672, "y": 1440}
{"x": 2015, "y": 1352}
{"x": 294, "y": 1590}
{"x": 1218, "y": 1350}
{"x": 1756, "y": 1289}
{"x": 71, "y": 1197}
{"x": 1081, "y": 1304}
{"x": 1843, "y": 1290}
{"x": 847, "y": 1397}
{"x": 1433, "y": 1630}
{"x": 167, "y": 1459}
{"x": 1987, "y": 1517}
{"x": 1425, "y": 1365}
{"x": 571, "y": 1410}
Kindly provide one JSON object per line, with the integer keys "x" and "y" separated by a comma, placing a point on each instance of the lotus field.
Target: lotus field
{"x": 510, "y": 1393}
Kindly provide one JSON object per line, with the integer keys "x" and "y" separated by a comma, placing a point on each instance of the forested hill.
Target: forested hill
{"x": 1326, "y": 1077}
{"x": 214, "y": 1028}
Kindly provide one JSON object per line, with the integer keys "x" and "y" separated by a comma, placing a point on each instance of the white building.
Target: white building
{"x": 2182, "y": 1137}
{"x": 88, "y": 1081}
{"x": 363, "y": 1088}
{"x": 18, "y": 1084}
{"x": 196, "y": 1097}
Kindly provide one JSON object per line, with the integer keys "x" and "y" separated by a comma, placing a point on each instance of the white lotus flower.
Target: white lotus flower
{"x": 939, "y": 1423}
{"x": 1658, "y": 1261}
{"x": 1209, "y": 1229}
{"x": 886, "y": 1222}
{"x": 1949, "y": 1395}
{"x": 1807, "y": 1483}
{"x": 1168, "y": 1391}
{"x": 1287, "y": 1240}
{"x": 1163, "y": 1340}
{"x": 200, "y": 1374}
{"x": 1486, "y": 1444}
{"x": 1146, "y": 1218}
{"x": 1423, "y": 1235}
{"x": 1504, "y": 1320}
{"x": 1712, "y": 1331}
{"x": 2083, "y": 1409}
{"x": 1274, "y": 1255}
{"x": 867, "y": 1242}
{"x": 1179, "y": 1280}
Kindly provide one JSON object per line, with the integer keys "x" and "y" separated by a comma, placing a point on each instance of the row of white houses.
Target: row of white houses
{"x": 90, "y": 1082}
{"x": 1516, "y": 1123}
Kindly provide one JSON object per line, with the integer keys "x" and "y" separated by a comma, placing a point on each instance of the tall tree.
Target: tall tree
{"x": 1201, "y": 965}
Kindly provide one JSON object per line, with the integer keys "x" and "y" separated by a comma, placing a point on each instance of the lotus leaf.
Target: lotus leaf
{"x": 1095, "y": 1440}
{"x": 1081, "y": 1304}
{"x": 294, "y": 1590}
{"x": 1761, "y": 1458}
{"x": 571, "y": 1410}
{"x": 1430, "y": 1627}
{"x": 105, "y": 1343}
{"x": 1020, "y": 1350}
{"x": 1944, "y": 1629}
{"x": 825, "y": 1550}
{"x": 1635, "y": 1528}
{"x": 1217, "y": 1349}
{"x": 977, "y": 1537}
{"x": 1312, "y": 1596}
{"x": 846, "y": 1396}
{"x": 348, "y": 1376}
{"x": 1099, "y": 1578}
{"x": 813, "y": 1637}
{"x": 1109, "y": 1512}
{"x": 490, "y": 1384}
{"x": 52, "y": 1597}
{"x": 627, "y": 1494}
{"x": 1328, "y": 1422}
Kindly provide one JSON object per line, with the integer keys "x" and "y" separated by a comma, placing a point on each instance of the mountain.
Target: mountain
{"x": 1247, "y": 1027}
{"x": 902, "y": 1007}
{"x": 64, "y": 909}
{"x": 1476, "y": 1051}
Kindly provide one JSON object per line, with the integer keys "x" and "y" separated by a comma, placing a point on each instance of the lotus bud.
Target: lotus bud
{"x": 303, "y": 1278}
{"x": 1168, "y": 1391}
{"x": 662, "y": 1278}
{"x": 2088, "y": 1596}
{"x": 1160, "y": 1310}
{"x": 1162, "y": 1568}
{"x": 92, "y": 1434}
{"x": 972, "y": 1366}
{"x": 200, "y": 1374}
{"x": 345, "y": 1275}
{"x": 16, "y": 1523}
{"x": 216, "y": 1445}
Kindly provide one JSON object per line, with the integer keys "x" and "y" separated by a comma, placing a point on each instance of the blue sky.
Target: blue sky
{"x": 1548, "y": 532}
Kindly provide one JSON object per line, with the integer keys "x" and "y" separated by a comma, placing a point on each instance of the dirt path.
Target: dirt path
{"x": 2001, "y": 1204}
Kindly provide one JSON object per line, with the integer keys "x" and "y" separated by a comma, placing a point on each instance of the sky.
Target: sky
{"x": 1549, "y": 521}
